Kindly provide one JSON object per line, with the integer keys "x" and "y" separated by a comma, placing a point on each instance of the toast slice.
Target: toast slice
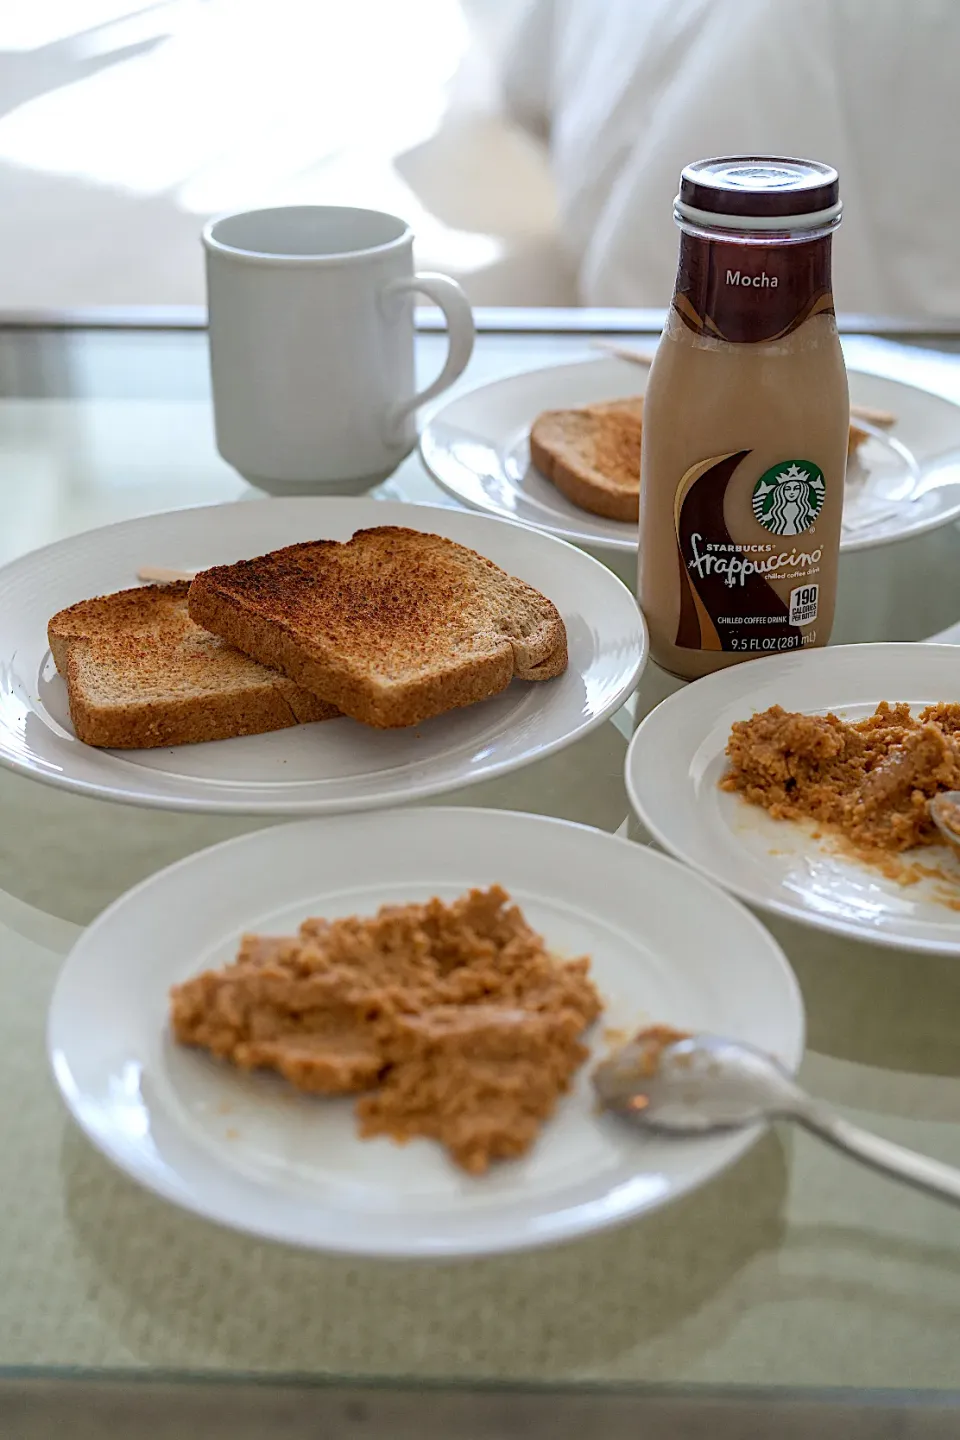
{"x": 393, "y": 626}
{"x": 592, "y": 455}
{"x": 140, "y": 673}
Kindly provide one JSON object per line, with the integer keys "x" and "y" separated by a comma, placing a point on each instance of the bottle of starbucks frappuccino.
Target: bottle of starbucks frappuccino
{"x": 745, "y": 421}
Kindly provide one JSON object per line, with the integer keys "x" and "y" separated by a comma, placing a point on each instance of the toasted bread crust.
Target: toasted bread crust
{"x": 131, "y": 662}
{"x": 392, "y": 627}
{"x": 592, "y": 455}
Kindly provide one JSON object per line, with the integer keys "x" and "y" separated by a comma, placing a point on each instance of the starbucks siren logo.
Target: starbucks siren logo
{"x": 788, "y": 497}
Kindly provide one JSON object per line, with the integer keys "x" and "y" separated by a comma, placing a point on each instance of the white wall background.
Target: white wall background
{"x": 124, "y": 125}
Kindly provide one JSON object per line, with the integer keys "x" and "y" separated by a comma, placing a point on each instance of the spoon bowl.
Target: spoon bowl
{"x": 698, "y": 1085}
{"x": 704, "y": 1084}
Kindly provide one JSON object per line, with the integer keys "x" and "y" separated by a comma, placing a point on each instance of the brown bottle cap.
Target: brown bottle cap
{"x": 759, "y": 192}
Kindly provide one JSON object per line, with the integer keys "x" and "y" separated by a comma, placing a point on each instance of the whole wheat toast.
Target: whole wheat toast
{"x": 592, "y": 455}
{"x": 140, "y": 673}
{"x": 393, "y": 626}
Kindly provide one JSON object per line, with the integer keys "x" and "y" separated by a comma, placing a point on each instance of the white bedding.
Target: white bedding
{"x": 628, "y": 91}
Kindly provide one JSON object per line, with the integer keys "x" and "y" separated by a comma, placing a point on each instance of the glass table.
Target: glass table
{"x": 796, "y": 1295}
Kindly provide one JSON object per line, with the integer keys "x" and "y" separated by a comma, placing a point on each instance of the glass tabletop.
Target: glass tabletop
{"x": 795, "y": 1272}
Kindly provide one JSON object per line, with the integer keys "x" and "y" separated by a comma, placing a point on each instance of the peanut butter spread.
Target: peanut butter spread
{"x": 870, "y": 781}
{"x": 649, "y": 1045}
{"x": 452, "y": 1020}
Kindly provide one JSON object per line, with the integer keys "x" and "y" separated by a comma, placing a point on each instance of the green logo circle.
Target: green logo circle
{"x": 788, "y": 497}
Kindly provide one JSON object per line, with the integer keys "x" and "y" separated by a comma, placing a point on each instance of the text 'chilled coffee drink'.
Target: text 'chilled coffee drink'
{"x": 745, "y": 421}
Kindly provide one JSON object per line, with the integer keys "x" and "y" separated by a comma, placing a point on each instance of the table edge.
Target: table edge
{"x": 505, "y": 320}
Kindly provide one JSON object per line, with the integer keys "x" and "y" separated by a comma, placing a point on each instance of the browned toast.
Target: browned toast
{"x": 140, "y": 673}
{"x": 592, "y": 455}
{"x": 392, "y": 626}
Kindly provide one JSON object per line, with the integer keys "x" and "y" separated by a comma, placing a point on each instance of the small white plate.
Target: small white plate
{"x": 249, "y": 1152}
{"x": 476, "y": 446}
{"x": 334, "y": 765}
{"x": 677, "y": 757}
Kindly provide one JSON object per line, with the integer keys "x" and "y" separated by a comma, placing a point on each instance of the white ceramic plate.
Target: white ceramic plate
{"x": 249, "y": 1152}
{"x": 476, "y": 447}
{"x": 676, "y": 759}
{"x": 334, "y": 765}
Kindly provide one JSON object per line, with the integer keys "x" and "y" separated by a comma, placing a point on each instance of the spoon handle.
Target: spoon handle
{"x": 883, "y": 1155}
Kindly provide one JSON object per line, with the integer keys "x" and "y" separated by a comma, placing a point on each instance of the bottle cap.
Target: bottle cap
{"x": 759, "y": 192}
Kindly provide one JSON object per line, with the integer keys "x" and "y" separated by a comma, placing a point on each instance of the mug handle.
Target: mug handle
{"x": 447, "y": 294}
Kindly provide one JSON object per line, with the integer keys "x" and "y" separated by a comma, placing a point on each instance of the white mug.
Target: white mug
{"x": 311, "y": 345}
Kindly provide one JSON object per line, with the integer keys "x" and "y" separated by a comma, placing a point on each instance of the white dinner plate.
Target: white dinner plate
{"x": 333, "y": 765}
{"x": 677, "y": 758}
{"x": 900, "y": 483}
{"x": 249, "y": 1152}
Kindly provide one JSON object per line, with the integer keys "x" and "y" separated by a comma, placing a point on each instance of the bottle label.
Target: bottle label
{"x": 751, "y": 293}
{"x": 755, "y": 592}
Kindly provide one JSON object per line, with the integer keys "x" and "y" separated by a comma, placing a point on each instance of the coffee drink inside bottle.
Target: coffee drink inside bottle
{"x": 745, "y": 421}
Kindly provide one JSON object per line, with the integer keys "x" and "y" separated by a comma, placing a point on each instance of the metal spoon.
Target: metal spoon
{"x": 945, "y": 812}
{"x": 704, "y": 1084}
